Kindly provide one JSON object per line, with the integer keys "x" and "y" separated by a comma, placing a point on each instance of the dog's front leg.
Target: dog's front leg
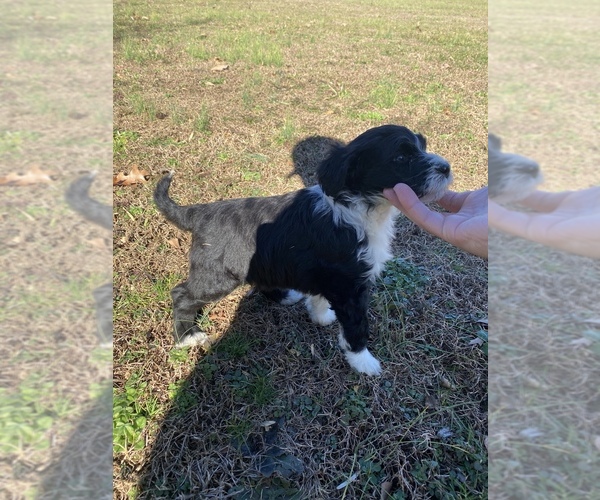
{"x": 351, "y": 312}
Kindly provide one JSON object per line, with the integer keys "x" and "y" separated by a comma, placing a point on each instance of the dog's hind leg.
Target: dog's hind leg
{"x": 284, "y": 297}
{"x": 352, "y": 315}
{"x": 185, "y": 311}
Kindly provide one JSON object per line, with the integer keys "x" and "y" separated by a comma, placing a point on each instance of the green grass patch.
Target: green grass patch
{"x": 142, "y": 106}
{"x": 133, "y": 407}
{"x": 202, "y": 120}
{"x": 11, "y": 142}
{"x": 287, "y": 132}
{"x": 120, "y": 140}
{"x": 27, "y": 414}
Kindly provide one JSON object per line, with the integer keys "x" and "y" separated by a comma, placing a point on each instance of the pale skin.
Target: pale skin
{"x": 464, "y": 225}
{"x": 568, "y": 221}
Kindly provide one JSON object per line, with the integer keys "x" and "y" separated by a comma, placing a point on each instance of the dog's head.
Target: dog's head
{"x": 512, "y": 177}
{"x": 380, "y": 158}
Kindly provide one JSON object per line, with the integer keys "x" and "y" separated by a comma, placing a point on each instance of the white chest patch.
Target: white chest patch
{"x": 379, "y": 230}
{"x": 375, "y": 224}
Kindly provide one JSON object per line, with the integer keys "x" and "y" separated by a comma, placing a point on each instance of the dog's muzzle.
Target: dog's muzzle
{"x": 439, "y": 178}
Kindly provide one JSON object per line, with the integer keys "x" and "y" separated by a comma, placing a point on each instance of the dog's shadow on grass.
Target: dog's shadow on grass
{"x": 308, "y": 153}
{"x": 234, "y": 421}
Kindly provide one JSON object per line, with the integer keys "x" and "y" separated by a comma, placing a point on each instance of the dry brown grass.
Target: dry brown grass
{"x": 342, "y": 68}
{"x": 543, "y": 380}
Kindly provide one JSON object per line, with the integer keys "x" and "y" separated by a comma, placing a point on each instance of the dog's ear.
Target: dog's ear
{"x": 422, "y": 142}
{"x": 494, "y": 142}
{"x": 332, "y": 171}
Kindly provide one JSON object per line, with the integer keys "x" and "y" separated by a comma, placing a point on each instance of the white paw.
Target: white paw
{"x": 319, "y": 310}
{"x": 197, "y": 338}
{"x": 363, "y": 362}
{"x": 324, "y": 318}
{"x": 292, "y": 297}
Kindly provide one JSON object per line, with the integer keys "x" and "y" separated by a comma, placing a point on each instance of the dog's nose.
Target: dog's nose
{"x": 531, "y": 168}
{"x": 443, "y": 168}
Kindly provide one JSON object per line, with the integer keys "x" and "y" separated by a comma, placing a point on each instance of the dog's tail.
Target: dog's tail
{"x": 178, "y": 215}
{"x": 78, "y": 198}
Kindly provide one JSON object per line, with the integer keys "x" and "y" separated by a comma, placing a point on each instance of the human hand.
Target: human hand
{"x": 464, "y": 225}
{"x": 568, "y": 221}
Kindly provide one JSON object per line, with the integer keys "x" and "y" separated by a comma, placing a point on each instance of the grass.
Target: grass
{"x": 547, "y": 85}
{"x": 270, "y": 405}
{"x": 58, "y": 95}
{"x": 28, "y": 414}
{"x": 132, "y": 409}
{"x": 543, "y": 403}
{"x": 542, "y": 411}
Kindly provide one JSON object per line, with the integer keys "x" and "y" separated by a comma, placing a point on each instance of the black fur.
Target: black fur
{"x": 304, "y": 240}
{"x": 78, "y": 198}
{"x": 375, "y": 159}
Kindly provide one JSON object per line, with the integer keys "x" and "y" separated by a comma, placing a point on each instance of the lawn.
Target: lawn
{"x": 244, "y": 100}
{"x": 55, "y": 114}
{"x": 544, "y": 322}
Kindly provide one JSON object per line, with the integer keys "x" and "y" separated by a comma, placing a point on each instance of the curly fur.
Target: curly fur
{"x": 327, "y": 242}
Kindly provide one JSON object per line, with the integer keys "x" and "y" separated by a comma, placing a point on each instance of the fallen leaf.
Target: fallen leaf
{"x": 446, "y": 383}
{"x": 220, "y": 67}
{"x": 136, "y": 176}
{"x": 34, "y": 175}
{"x": 386, "y": 490}
{"x": 174, "y": 242}
{"x": 268, "y": 424}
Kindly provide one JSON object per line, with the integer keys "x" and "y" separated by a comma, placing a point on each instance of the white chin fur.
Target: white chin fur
{"x": 292, "y": 297}
{"x": 363, "y": 362}
{"x": 520, "y": 187}
{"x": 436, "y": 188}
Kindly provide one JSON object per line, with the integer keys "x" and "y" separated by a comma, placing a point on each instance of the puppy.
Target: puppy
{"x": 327, "y": 242}
{"x": 511, "y": 177}
{"x": 78, "y": 198}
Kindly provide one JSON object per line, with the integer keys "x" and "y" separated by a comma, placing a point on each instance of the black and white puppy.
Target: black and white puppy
{"x": 511, "y": 177}
{"x": 326, "y": 242}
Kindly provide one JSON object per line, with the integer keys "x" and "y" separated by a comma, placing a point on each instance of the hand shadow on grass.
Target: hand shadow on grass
{"x": 226, "y": 432}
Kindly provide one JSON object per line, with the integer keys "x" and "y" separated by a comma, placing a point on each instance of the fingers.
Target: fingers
{"x": 404, "y": 198}
{"x": 542, "y": 201}
{"x": 452, "y": 201}
{"x": 473, "y": 201}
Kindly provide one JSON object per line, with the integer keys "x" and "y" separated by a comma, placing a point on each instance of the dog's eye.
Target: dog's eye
{"x": 399, "y": 158}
